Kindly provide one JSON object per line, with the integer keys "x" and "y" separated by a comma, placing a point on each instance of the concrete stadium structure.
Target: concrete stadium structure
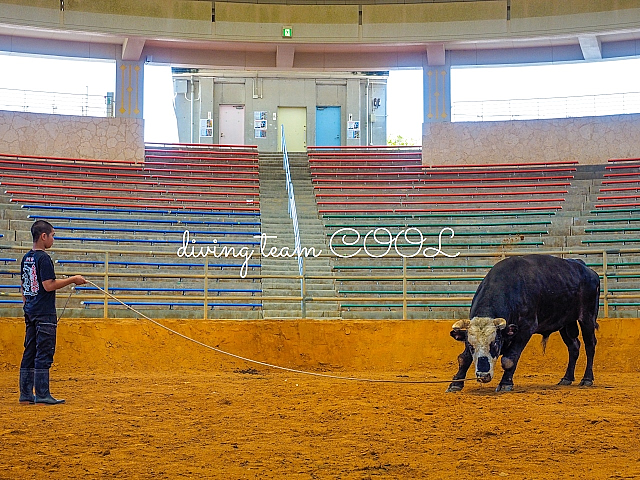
{"x": 320, "y": 39}
{"x": 314, "y": 108}
{"x": 349, "y": 36}
{"x": 372, "y": 313}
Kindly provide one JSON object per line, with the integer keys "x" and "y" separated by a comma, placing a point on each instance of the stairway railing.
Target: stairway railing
{"x": 293, "y": 213}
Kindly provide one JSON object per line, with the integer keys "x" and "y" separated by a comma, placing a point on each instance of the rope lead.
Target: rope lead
{"x": 264, "y": 364}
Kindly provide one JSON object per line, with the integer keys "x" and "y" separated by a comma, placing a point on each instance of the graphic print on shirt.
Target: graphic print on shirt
{"x": 30, "y": 286}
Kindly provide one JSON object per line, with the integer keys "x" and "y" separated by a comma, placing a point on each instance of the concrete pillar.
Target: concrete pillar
{"x": 378, "y": 113}
{"x": 354, "y": 110}
{"x": 129, "y": 89}
{"x": 437, "y": 91}
{"x": 182, "y": 105}
{"x": 205, "y": 109}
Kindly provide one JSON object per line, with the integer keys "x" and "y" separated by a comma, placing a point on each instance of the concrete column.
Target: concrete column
{"x": 129, "y": 89}
{"x": 182, "y": 107}
{"x": 205, "y": 108}
{"x": 378, "y": 113}
{"x": 354, "y": 110}
{"x": 437, "y": 92}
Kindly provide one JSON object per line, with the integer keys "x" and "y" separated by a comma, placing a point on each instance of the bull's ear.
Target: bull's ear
{"x": 458, "y": 334}
{"x": 500, "y": 323}
{"x": 511, "y": 330}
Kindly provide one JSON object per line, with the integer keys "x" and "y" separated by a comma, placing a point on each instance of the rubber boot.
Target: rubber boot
{"x": 41, "y": 381}
{"x": 26, "y": 386}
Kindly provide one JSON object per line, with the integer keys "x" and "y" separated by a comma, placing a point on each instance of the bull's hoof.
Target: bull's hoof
{"x": 504, "y": 388}
{"x": 586, "y": 383}
{"x": 564, "y": 381}
{"x": 454, "y": 388}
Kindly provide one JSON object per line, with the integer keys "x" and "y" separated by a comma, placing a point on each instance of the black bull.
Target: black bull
{"x": 521, "y": 296}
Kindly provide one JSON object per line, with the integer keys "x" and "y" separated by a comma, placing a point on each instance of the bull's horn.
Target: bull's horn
{"x": 500, "y": 323}
{"x": 461, "y": 325}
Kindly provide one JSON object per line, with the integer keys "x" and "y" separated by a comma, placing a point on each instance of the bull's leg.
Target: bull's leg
{"x": 589, "y": 337}
{"x": 465, "y": 359}
{"x": 509, "y": 362}
{"x": 569, "y": 334}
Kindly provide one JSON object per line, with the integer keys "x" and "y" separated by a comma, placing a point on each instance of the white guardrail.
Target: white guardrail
{"x": 293, "y": 213}
{"x": 56, "y": 103}
{"x": 549, "y": 107}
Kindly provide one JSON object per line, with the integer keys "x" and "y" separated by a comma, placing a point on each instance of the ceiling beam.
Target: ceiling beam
{"x": 591, "y": 47}
{"x": 132, "y": 49}
{"x": 435, "y": 55}
{"x": 284, "y": 56}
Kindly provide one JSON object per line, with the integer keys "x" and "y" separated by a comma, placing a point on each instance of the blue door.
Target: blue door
{"x": 328, "y": 126}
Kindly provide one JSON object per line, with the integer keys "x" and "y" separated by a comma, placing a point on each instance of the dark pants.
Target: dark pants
{"x": 39, "y": 342}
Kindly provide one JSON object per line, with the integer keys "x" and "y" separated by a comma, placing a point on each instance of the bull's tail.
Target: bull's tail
{"x": 545, "y": 339}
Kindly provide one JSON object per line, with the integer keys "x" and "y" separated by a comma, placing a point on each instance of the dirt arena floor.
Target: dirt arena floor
{"x": 142, "y": 403}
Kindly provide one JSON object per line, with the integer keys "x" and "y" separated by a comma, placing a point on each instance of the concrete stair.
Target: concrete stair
{"x": 579, "y": 201}
{"x": 276, "y": 222}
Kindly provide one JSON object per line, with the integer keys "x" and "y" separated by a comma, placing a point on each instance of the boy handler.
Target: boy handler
{"x": 38, "y": 287}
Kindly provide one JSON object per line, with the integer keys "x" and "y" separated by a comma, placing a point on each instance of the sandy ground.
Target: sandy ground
{"x": 271, "y": 425}
{"x": 241, "y": 421}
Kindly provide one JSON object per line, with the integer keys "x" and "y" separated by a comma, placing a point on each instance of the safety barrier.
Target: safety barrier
{"x": 403, "y": 275}
{"x": 293, "y": 213}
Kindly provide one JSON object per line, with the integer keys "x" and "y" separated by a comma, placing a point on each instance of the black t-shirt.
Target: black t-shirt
{"x": 36, "y": 268}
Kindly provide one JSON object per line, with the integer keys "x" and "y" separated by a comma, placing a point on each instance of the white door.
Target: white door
{"x": 294, "y": 120}
{"x": 231, "y": 130}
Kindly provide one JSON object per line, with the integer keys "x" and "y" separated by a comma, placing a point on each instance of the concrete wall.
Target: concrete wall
{"x": 264, "y": 20}
{"x": 178, "y": 18}
{"x": 362, "y": 24}
{"x": 68, "y": 136}
{"x": 353, "y": 95}
{"x": 590, "y": 140}
{"x": 353, "y": 345}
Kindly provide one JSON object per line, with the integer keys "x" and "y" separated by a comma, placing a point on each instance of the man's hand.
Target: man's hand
{"x": 50, "y": 285}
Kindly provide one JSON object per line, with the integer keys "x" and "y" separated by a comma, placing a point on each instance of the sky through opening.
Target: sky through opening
{"x": 78, "y": 87}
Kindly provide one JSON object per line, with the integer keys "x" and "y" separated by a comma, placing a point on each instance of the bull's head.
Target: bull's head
{"x": 484, "y": 337}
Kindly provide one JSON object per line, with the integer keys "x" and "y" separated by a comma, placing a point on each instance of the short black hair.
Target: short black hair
{"x": 39, "y": 227}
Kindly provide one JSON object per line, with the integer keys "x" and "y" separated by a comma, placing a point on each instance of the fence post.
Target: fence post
{"x": 605, "y": 283}
{"x": 404, "y": 288}
{"x": 206, "y": 286}
{"x": 106, "y": 285}
{"x": 303, "y": 290}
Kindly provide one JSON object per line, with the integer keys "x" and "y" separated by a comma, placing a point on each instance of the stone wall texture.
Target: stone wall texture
{"x": 589, "y": 140}
{"x": 69, "y": 136}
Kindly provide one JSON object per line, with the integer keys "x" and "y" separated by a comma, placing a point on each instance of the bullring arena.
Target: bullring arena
{"x": 258, "y": 311}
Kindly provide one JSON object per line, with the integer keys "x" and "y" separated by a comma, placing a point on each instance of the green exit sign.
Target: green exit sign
{"x": 287, "y": 32}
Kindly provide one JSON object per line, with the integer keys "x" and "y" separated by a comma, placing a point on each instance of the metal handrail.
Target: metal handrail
{"x": 545, "y": 107}
{"x": 106, "y": 274}
{"x": 293, "y": 213}
{"x": 37, "y": 101}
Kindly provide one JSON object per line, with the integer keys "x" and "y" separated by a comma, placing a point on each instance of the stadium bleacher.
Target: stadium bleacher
{"x": 450, "y": 222}
{"x": 498, "y": 207}
{"x": 611, "y": 226}
{"x": 121, "y": 207}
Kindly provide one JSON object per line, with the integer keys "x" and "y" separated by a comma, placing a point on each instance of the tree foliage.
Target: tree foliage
{"x": 399, "y": 140}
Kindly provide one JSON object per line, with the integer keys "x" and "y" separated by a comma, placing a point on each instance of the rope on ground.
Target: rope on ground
{"x": 264, "y": 364}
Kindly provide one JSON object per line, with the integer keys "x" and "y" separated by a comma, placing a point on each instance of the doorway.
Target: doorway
{"x": 328, "y": 126}
{"x": 231, "y": 131}
{"x": 294, "y": 120}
